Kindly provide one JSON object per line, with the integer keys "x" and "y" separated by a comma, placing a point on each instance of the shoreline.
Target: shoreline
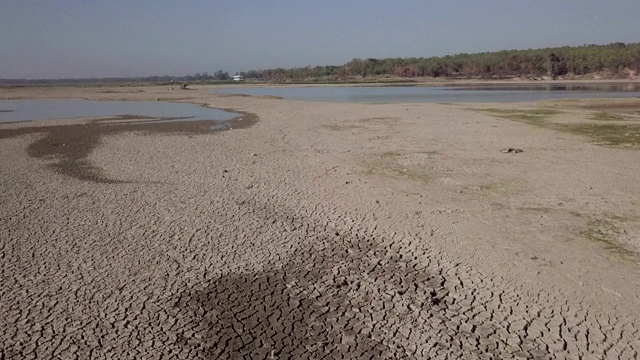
{"x": 396, "y": 82}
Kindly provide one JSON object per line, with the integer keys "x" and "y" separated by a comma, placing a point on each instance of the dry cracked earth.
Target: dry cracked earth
{"x": 259, "y": 243}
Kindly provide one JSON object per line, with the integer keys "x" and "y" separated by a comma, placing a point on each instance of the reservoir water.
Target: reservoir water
{"x": 447, "y": 94}
{"x": 44, "y": 109}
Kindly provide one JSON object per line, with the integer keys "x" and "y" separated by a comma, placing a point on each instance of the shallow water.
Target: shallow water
{"x": 405, "y": 94}
{"x": 44, "y": 109}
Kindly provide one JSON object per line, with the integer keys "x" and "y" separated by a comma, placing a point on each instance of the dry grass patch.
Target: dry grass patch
{"x": 538, "y": 209}
{"x": 625, "y": 136}
{"x": 412, "y": 174}
{"x": 335, "y": 127}
{"x": 615, "y": 135}
{"x": 429, "y": 153}
{"x": 372, "y": 169}
{"x": 493, "y": 188}
{"x": 392, "y": 153}
{"x": 607, "y": 116}
{"x": 529, "y": 116}
{"x": 497, "y": 191}
{"x": 380, "y": 119}
{"x": 390, "y": 163}
{"x": 396, "y": 171}
{"x": 608, "y": 231}
{"x": 576, "y": 213}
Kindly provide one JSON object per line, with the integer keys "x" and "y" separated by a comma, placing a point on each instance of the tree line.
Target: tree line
{"x": 218, "y": 76}
{"x": 612, "y": 60}
{"x": 616, "y": 60}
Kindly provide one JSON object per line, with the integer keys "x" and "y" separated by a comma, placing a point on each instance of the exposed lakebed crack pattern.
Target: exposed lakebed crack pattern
{"x": 259, "y": 269}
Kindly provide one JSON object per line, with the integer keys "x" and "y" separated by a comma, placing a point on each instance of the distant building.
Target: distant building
{"x": 238, "y": 78}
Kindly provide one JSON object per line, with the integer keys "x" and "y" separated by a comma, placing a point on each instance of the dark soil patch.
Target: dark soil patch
{"x": 70, "y": 145}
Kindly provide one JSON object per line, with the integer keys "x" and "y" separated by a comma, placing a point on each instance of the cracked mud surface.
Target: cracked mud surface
{"x": 279, "y": 241}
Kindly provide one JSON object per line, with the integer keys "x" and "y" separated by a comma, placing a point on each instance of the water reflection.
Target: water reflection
{"x": 628, "y": 87}
{"x": 448, "y": 94}
{"x": 43, "y": 109}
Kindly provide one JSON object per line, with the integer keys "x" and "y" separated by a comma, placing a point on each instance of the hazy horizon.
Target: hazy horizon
{"x": 68, "y": 39}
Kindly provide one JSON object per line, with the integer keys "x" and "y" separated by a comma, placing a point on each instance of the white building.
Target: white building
{"x": 238, "y": 78}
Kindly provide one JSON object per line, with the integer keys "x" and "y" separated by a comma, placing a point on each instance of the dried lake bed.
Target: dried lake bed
{"x": 323, "y": 230}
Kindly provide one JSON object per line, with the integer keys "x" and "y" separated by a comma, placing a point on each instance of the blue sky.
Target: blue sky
{"x": 101, "y": 38}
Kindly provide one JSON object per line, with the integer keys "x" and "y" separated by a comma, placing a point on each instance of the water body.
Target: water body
{"x": 448, "y": 94}
{"x": 44, "y": 109}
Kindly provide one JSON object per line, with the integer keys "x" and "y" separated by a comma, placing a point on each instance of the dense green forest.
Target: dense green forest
{"x": 617, "y": 60}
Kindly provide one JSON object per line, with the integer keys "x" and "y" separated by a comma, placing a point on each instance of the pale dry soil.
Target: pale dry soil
{"x": 321, "y": 231}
